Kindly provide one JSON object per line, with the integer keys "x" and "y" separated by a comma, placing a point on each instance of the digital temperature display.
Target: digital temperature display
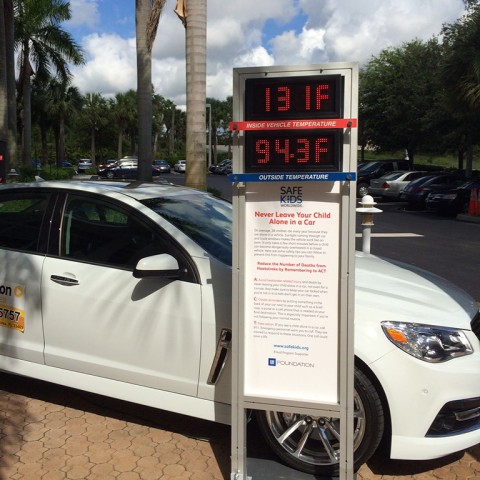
{"x": 296, "y": 151}
{"x": 310, "y": 97}
{"x": 293, "y": 97}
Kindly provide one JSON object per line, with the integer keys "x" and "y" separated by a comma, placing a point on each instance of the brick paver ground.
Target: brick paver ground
{"x": 53, "y": 433}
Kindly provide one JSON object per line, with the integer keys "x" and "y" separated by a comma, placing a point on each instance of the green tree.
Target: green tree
{"x": 3, "y": 94}
{"x": 398, "y": 90}
{"x": 93, "y": 111}
{"x": 43, "y": 46}
{"x": 124, "y": 110}
{"x": 221, "y": 117}
{"x": 62, "y": 100}
{"x": 461, "y": 76}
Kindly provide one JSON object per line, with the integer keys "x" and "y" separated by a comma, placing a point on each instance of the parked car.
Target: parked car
{"x": 122, "y": 169}
{"x": 180, "y": 166}
{"x": 219, "y": 166}
{"x": 125, "y": 169}
{"x": 37, "y": 163}
{"x": 135, "y": 284}
{"x": 162, "y": 166}
{"x": 416, "y": 192}
{"x": 225, "y": 169}
{"x": 452, "y": 200}
{"x": 367, "y": 171}
{"x": 84, "y": 164}
{"x": 391, "y": 184}
{"x": 106, "y": 163}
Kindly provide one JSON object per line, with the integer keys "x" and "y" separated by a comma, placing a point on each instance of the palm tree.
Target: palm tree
{"x": 147, "y": 16}
{"x": 196, "y": 58}
{"x": 94, "y": 105}
{"x": 124, "y": 109}
{"x": 11, "y": 83}
{"x": 62, "y": 101}
{"x": 43, "y": 44}
{"x": 3, "y": 97}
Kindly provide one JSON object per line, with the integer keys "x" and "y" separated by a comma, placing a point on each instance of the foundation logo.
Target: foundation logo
{"x": 291, "y": 196}
{"x": 273, "y": 362}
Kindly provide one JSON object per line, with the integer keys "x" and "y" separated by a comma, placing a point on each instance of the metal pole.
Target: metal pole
{"x": 209, "y": 107}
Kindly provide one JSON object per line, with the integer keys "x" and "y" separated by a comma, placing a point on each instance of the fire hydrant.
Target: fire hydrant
{"x": 367, "y": 210}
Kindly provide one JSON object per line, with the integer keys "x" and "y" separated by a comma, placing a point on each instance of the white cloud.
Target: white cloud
{"x": 84, "y": 12}
{"x": 325, "y": 31}
{"x": 111, "y": 65}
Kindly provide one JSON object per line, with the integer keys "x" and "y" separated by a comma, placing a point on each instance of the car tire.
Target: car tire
{"x": 110, "y": 175}
{"x": 320, "y": 453}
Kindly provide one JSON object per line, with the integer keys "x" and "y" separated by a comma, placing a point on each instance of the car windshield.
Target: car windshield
{"x": 393, "y": 175}
{"x": 367, "y": 167}
{"x": 206, "y": 220}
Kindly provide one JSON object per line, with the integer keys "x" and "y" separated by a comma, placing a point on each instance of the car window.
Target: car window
{"x": 414, "y": 175}
{"x": 205, "y": 219}
{"x": 99, "y": 232}
{"x": 392, "y": 175}
{"x": 21, "y": 217}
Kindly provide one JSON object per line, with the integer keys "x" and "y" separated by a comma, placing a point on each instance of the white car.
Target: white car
{"x": 180, "y": 166}
{"x": 125, "y": 290}
{"x": 391, "y": 184}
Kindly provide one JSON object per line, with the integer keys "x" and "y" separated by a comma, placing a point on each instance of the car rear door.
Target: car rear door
{"x": 24, "y": 220}
{"x": 100, "y": 320}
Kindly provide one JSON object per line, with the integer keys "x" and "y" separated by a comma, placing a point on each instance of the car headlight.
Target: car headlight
{"x": 450, "y": 196}
{"x": 426, "y": 342}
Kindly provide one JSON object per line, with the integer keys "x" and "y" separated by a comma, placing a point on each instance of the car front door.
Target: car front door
{"x": 23, "y": 216}
{"x": 100, "y": 320}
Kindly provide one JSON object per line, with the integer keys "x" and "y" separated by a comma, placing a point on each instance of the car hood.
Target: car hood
{"x": 391, "y": 290}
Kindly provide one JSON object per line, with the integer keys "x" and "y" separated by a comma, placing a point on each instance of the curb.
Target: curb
{"x": 465, "y": 217}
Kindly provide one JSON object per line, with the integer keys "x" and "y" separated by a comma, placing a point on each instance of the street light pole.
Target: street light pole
{"x": 209, "y": 107}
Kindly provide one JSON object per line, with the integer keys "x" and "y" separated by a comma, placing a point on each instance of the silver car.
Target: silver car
{"x": 180, "y": 166}
{"x": 391, "y": 184}
{"x": 84, "y": 164}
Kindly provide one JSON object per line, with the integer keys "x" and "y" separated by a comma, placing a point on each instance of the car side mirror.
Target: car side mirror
{"x": 163, "y": 265}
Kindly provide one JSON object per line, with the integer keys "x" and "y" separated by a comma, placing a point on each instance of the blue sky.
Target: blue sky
{"x": 246, "y": 33}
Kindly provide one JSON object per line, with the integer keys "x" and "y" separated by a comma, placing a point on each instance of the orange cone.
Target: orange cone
{"x": 474, "y": 203}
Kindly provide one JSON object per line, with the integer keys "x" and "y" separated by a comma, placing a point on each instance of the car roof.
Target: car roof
{"x": 137, "y": 190}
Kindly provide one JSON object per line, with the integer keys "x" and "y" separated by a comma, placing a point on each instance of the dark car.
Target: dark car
{"x": 416, "y": 192}
{"x": 162, "y": 166}
{"x": 219, "y": 166}
{"x": 224, "y": 169}
{"x": 451, "y": 201}
{"x": 124, "y": 169}
{"x": 369, "y": 170}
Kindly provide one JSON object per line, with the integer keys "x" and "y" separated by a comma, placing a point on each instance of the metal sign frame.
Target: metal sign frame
{"x": 340, "y": 182}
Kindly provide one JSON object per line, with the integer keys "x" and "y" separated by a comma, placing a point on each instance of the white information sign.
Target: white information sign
{"x": 291, "y": 290}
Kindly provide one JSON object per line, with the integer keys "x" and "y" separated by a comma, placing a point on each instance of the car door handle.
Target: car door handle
{"x": 64, "y": 280}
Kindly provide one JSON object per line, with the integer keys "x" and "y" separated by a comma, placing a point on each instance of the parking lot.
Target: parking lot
{"x": 50, "y": 432}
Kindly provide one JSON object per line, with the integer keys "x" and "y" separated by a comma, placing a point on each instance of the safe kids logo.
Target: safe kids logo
{"x": 291, "y": 196}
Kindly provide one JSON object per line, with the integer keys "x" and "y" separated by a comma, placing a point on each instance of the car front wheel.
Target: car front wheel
{"x": 312, "y": 444}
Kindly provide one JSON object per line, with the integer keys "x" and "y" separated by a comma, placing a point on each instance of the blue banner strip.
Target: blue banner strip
{"x": 293, "y": 177}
